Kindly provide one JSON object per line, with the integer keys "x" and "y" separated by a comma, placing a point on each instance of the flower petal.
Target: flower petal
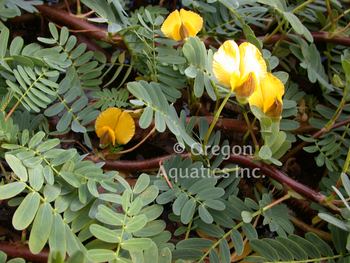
{"x": 272, "y": 86}
{"x": 194, "y": 19}
{"x": 170, "y": 22}
{"x": 176, "y": 32}
{"x": 252, "y": 61}
{"x": 108, "y": 118}
{"x": 225, "y": 62}
{"x": 191, "y": 30}
{"x": 125, "y": 128}
{"x": 257, "y": 98}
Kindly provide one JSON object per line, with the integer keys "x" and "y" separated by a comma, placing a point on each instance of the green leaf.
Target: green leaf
{"x": 149, "y": 195}
{"x": 333, "y": 220}
{"x": 281, "y": 250}
{"x": 288, "y": 125}
{"x": 346, "y": 182}
{"x": 17, "y": 166}
{"x": 237, "y": 241}
{"x": 146, "y": 117}
{"x": 151, "y": 254}
{"x": 104, "y": 234}
{"x": 293, "y": 247}
{"x": 151, "y": 228}
{"x": 188, "y": 211}
{"x": 171, "y": 60}
{"x": 195, "y": 243}
{"x": 191, "y": 71}
{"x": 64, "y": 121}
{"x": 346, "y": 66}
{"x": 295, "y": 22}
{"x": 199, "y": 84}
{"x": 166, "y": 256}
{"x": 250, "y": 231}
{"x": 151, "y": 212}
{"x": 53, "y": 31}
{"x": 64, "y": 157}
{"x": 136, "y": 244}
{"x": 57, "y": 238}
{"x": 339, "y": 237}
{"x": 3, "y": 257}
{"x": 100, "y": 255}
{"x": 109, "y": 215}
{"x": 4, "y": 38}
{"x": 26, "y": 211}
{"x": 205, "y": 215}
{"x": 264, "y": 249}
{"x": 41, "y": 228}
{"x": 10, "y": 190}
{"x": 265, "y": 152}
{"x": 135, "y": 207}
{"x": 136, "y": 223}
{"x": 211, "y": 193}
{"x": 141, "y": 184}
{"x": 307, "y": 246}
{"x": 51, "y": 192}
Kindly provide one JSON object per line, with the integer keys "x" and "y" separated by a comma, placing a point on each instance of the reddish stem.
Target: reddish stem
{"x": 15, "y": 250}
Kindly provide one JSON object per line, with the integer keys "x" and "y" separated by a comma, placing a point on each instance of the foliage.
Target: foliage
{"x": 193, "y": 207}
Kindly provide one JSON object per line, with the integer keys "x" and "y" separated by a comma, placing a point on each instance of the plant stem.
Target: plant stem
{"x": 283, "y": 21}
{"x": 216, "y": 117}
{"x": 256, "y": 144}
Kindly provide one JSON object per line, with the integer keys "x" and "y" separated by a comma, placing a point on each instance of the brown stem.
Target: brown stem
{"x": 92, "y": 31}
{"x": 14, "y": 250}
{"x": 265, "y": 169}
{"x": 221, "y": 124}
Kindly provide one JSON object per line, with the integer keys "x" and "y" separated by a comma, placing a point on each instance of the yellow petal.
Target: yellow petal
{"x": 108, "y": 118}
{"x": 170, "y": 22}
{"x": 176, "y": 32}
{"x": 252, "y": 61}
{"x": 106, "y": 135}
{"x": 125, "y": 128}
{"x": 257, "y": 98}
{"x": 190, "y": 28}
{"x": 194, "y": 19}
{"x": 272, "y": 86}
{"x": 225, "y": 62}
{"x": 273, "y": 106}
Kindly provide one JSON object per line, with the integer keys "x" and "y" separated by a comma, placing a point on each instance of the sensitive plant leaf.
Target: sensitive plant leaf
{"x": 136, "y": 223}
{"x": 104, "y": 234}
{"x": 26, "y": 211}
{"x": 41, "y": 228}
{"x": 237, "y": 241}
{"x": 264, "y": 249}
{"x": 188, "y": 211}
{"x": 100, "y": 255}
{"x": 4, "y": 37}
{"x": 10, "y": 190}
{"x": 151, "y": 228}
{"x": 17, "y": 166}
{"x": 136, "y": 244}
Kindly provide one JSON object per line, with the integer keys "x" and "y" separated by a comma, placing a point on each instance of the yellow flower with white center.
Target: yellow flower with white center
{"x": 114, "y": 125}
{"x": 268, "y": 96}
{"x": 241, "y": 69}
{"x": 182, "y": 25}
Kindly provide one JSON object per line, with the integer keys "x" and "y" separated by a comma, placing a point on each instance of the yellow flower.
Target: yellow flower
{"x": 182, "y": 25}
{"x": 268, "y": 96}
{"x": 240, "y": 68}
{"x": 113, "y": 125}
